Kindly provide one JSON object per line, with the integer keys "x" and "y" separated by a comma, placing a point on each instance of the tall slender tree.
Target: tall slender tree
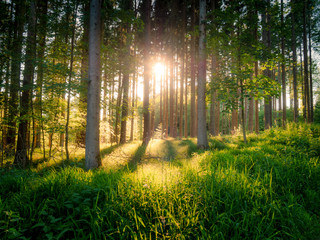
{"x": 21, "y": 157}
{"x": 202, "y": 129}
{"x": 147, "y": 71}
{"x": 19, "y": 21}
{"x": 92, "y": 156}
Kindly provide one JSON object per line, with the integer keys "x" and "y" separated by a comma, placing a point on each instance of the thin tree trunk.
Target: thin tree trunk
{"x": 118, "y": 107}
{"x": 294, "y": 65}
{"x": 153, "y": 105}
{"x": 202, "y": 130}
{"x": 305, "y": 64}
{"x": 81, "y": 135}
{"x": 125, "y": 102}
{"x": 310, "y": 64}
{"x": 267, "y": 42}
{"x": 15, "y": 75}
{"x": 92, "y": 156}
{"x": 193, "y": 75}
{"x": 43, "y": 8}
{"x": 69, "y": 82}
{"x": 283, "y": 71}
{"x": 21, "y": 157}
{"x": 133, "y": 98}
{"x": 147, "y": 73}
{"x": 181, "y": 88}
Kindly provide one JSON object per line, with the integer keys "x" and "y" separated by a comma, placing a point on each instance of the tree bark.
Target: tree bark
{"x": 193, "y": 73}
{"x": 202, "y": 130}
{"x": 92, "y": 156}
{"x": 43, "y": 8}
{"x": 21, "y": 157}
{"x": 266, "y": 38}
{"x": 283, "y": 71}
{"x": 147, "y": 72}
{"x": 310, "y": 65}
{"x": 125, "y": 102}
{"x": 305, "y": 64}
{"x": 70, "y": 81}
{"x": 15, "y": 74}
{"x": 294, "y": 64}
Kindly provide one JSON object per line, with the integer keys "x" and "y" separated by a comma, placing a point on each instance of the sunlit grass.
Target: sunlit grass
{"x": 267, "y": 189}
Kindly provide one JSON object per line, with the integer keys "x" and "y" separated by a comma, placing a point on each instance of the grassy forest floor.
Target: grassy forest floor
{"x": 266, "y": 189}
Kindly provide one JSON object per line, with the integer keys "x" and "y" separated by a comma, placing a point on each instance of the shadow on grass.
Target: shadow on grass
{"x": 192, "y": 147}
{"x": 106, "y": 151}
{"x": 215, "y": 144}
{"x": 136, "y": 158}
{"x": 73, "y": 162}
{"x": 170, "y": 151}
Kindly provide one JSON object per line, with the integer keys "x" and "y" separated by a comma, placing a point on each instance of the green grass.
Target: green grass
{"x": 267, "y": 189}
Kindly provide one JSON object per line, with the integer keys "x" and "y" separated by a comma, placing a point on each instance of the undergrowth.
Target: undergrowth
{"x": 266, "y": 189}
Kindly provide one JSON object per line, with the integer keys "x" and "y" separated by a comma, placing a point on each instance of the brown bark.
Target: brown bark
{"x": 147, "y": 72}
{"x": 15, "y": 74}
{"x": 294, "y": 65}
{"x": 193, "y": 73}
{"x": 21, "y": 157}
{"x": 202, "y": 126}
{"x": 92, "y": 155}
{"x": 305, "y": 64}
{"x": 283, "y": 71}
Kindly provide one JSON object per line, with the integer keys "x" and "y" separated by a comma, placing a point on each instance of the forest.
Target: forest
{"x": 159, "y": 119}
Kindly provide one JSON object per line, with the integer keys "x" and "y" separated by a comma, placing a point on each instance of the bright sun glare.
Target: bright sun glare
{"x": 158, "y": 70}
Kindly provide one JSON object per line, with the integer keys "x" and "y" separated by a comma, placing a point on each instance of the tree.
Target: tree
{"x": 266, "y": 38}
{"x": 125, "y": 102}
{"x": 193, "y": 72}
{"x": 202, "y": 129}
{"x": 147, "y": 72}
{"x": 21, "y": 157}
{"x": 283, "y": 71}
{"x": 20, "y": 9}
{"x": 92, "y": 156}
{"x": 294, "y": 64}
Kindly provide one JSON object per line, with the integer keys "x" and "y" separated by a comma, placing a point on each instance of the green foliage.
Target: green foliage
{"x": 267, "y": 189}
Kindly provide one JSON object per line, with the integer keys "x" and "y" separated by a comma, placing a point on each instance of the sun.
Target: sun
{"x": 158, "y": 69}
{"x": 158, "y": 73}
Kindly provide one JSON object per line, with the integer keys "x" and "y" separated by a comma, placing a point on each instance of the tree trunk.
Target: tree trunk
{"x": 294, "y": 65}
{"x": 118, "y": 107}
{"x": 266, "y": 38}
{"x": 92, "y": 156}
{"x": 193, "y": 74}
{"x": 43, "y": 8}
{"x": 147, "y": 72}
{"x": 70, "y": 81}
{"x": 133, "y": 98}
{"x": 202, "y": 130}
{"x": 81, "y": 135}
{"x": 305, "y": 64}
{"x": 21, "y": 156}
{"x": 310, "y": 64}
{"x": 15, "y": 74}
{"x": 125, "y": 102}
{"x": 283, "y": 71}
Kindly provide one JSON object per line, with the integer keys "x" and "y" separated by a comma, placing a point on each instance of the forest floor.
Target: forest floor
{"x": 268, "y": 188}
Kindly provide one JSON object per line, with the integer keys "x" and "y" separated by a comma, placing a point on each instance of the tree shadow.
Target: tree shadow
{"x": 192, "y": 147}
{"x": 106, "y": 151}
{"x": 170, "y": 151}
{"x": 216, "y": 144}
{"x": 136, "y": 158}
{"x": 73, "y": 162}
